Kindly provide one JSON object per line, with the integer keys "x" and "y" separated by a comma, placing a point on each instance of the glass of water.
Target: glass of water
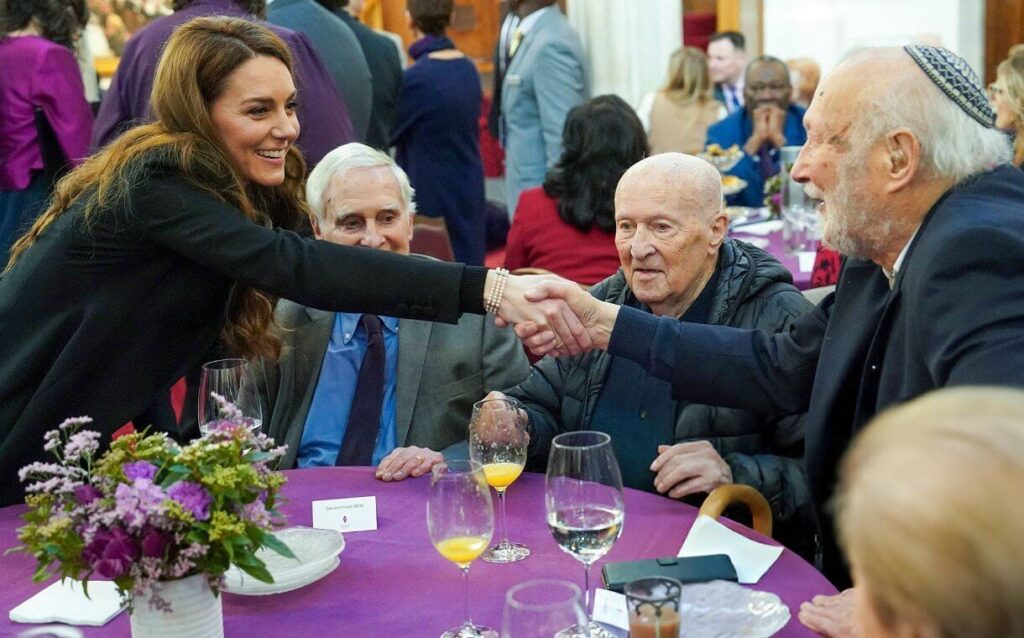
{"x": 583, "y": 498}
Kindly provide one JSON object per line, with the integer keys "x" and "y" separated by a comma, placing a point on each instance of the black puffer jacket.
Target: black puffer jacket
{"x": 764, "y": 451}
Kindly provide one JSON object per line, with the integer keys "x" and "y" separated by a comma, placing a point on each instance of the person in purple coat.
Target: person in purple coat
{"x": 323, "y": 114}
{"x": 37, "y": 71}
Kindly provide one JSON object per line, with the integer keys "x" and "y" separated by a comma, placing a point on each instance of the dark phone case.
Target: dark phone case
{"x": 692, "y": 569}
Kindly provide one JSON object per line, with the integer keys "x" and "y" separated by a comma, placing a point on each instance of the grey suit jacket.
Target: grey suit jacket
{"x": 341, "y": 53}
{"x": 545, "y": 79}
{"x": 442, "y": 370}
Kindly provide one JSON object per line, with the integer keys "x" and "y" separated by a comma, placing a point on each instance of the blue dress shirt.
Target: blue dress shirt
{"x": 328, "y": 411}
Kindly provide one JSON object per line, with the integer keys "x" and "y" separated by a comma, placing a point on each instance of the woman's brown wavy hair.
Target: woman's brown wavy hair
{"x": 193, "y": 72}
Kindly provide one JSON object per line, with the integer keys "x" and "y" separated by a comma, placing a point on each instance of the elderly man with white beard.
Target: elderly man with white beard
{"x": 920, "y": 198}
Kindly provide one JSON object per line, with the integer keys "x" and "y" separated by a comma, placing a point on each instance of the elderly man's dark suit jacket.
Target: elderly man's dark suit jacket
{"x": 954, "y": 317}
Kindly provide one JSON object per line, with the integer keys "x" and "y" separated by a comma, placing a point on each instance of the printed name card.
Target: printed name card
{"x": 610, "y": 608}
{"x": 346, "y": 514}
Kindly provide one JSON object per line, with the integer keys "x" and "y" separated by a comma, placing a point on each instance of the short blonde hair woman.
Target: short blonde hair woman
{"x": 929, "y": 520}
{"x": 1007, "y": 97}
{"x": 677, "y": 117}
{"x": 805, "y": 75}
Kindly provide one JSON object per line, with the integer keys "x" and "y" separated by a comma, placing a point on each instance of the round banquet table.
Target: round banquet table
{"x": 392, "y": 582}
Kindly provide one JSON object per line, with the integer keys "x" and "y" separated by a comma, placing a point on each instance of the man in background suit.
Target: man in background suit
{"x": 323, "y": 115}
{"x": 431, "y": 373}
{"x": 545, "y": 78}
{"x": 340, "y": 50}
{"x": 727, "y": 57}
{"x": 385, "y": 66}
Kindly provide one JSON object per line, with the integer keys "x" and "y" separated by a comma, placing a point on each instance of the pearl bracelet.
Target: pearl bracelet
{"x": 497, "y": 291}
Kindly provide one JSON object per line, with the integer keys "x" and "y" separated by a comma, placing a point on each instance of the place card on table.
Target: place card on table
{"x": 750, "y": 558}
{"x": 64, "y": 601}
{"x": 806, "y": 260}
{"x": 610, "y": 608}
{"x": 346, "y": 514}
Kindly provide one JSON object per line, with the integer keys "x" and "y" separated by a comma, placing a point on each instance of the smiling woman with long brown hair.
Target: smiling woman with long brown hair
{"x": 177, "y": 234}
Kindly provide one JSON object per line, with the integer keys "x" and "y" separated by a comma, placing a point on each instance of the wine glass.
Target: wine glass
{"x": 228, "y": 381}
{"x": 498, "y": 440}
{"x": 542, "y": 608}
{"x": 460, "y": 520}
{"x": 583, "y": 497}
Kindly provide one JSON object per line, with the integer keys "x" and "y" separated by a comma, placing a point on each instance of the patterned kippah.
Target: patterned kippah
{"x": 956, "y": 79}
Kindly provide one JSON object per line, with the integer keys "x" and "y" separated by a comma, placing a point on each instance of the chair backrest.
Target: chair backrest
{"x": 430, "y": 237}
{"x": 725, "y": 495}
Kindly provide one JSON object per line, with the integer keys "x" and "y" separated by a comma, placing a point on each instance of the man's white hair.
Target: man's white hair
{"x": 953, "y": 144}
{"x": 349, "y": 157}
{"x": 689, "y": 178}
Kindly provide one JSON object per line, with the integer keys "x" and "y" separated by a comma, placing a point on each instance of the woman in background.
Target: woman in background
{"x": 928, "y": 520}
{"x": 38, "y": 70}
{"x": 436, "y": 131}
{"x": 804, "y": 76}
{"x": 677, "y": 117}
{"x": 1007, "y": 97}
{"x": 567, "y": 226}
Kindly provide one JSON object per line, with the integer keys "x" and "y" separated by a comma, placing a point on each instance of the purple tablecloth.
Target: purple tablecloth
{"x": 777, "y": 247}
{"x": 392, "y": 581}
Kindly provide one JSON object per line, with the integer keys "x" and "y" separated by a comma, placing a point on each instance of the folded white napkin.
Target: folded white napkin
{"x": 64, "y": 601}
{"x": 750, "y": 558}
{"x": 760, "y": 228}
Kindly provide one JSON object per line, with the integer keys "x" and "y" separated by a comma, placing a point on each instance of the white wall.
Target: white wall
{"x": 628, "y": 43}
{"x": 827, "y": 29}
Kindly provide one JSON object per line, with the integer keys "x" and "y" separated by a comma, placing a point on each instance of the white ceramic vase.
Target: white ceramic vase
{"x": 195, "y": 611}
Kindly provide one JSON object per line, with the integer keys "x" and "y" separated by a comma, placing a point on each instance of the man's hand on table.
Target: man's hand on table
{"x": 404, "y": 462}
{"x": 830, "y": 616}
{"x": 689, "y": 468}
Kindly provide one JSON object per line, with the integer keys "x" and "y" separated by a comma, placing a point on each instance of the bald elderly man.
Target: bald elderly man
{"x": 677, "y": 263}
{"x": 919, "y": 195}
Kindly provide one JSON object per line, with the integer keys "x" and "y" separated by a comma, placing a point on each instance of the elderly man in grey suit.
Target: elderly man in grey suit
{"x": 354, "y": 389}
{"x": 341, "y": 53}
{"x": 545, "y": 78}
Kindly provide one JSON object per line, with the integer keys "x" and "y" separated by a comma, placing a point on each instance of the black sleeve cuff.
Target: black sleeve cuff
{"x": 633, "y": 335}
{"x": 471, "y": 294}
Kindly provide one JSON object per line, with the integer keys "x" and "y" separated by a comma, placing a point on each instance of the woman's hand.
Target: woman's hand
{"x": 551, "y": 322}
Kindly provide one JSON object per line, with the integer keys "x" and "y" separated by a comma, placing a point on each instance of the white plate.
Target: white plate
{"x": 737, "y": 186}
{"x": 316, "y": 555}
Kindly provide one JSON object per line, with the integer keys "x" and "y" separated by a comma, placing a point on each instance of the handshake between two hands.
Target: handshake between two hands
{"x": 555, "y": 316}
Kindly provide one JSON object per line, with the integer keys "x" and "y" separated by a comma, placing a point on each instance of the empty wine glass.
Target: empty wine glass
{"x": 460, "y": 520}
{"x": 498, "y": 440}
{"x": 228, "y": 381}
{"x": 583, "y": 497}
{"x": 543, "y": 608}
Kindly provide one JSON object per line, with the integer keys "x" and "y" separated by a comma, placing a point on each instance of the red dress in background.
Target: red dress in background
{"x": 539, "y": 238}
{"x": 826, "y": 267}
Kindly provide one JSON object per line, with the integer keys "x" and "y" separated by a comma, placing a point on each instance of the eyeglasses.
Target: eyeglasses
{"x": 775, "y": 87}
{"x": 994, "y": 90}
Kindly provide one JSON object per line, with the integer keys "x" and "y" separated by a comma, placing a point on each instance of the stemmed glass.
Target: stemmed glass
{"x": 542, "y": 608}
{"x": 460, "y": 520}
{"x": 583, "y": 496}
{"x": 228, "y": 380}
{"x": 498, "y": 440}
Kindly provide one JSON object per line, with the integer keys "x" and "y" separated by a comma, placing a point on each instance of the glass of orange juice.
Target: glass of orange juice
{"x": 498, "y": 441}
{"x": 460, "y": 519}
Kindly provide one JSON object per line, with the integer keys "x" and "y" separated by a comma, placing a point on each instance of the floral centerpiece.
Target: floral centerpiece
{"x": 148, "y": 511}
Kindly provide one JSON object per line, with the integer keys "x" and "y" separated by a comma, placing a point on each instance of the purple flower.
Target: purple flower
{"x": 111, "y": 553}
{"x": 154, "y": 542}
{"x": 139, "y": 469}
{"x": 86, "y": 494}
{"x": 256, "y": 512}
{"x": 138, "y": 503}
{"x": 192, "y": 497}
